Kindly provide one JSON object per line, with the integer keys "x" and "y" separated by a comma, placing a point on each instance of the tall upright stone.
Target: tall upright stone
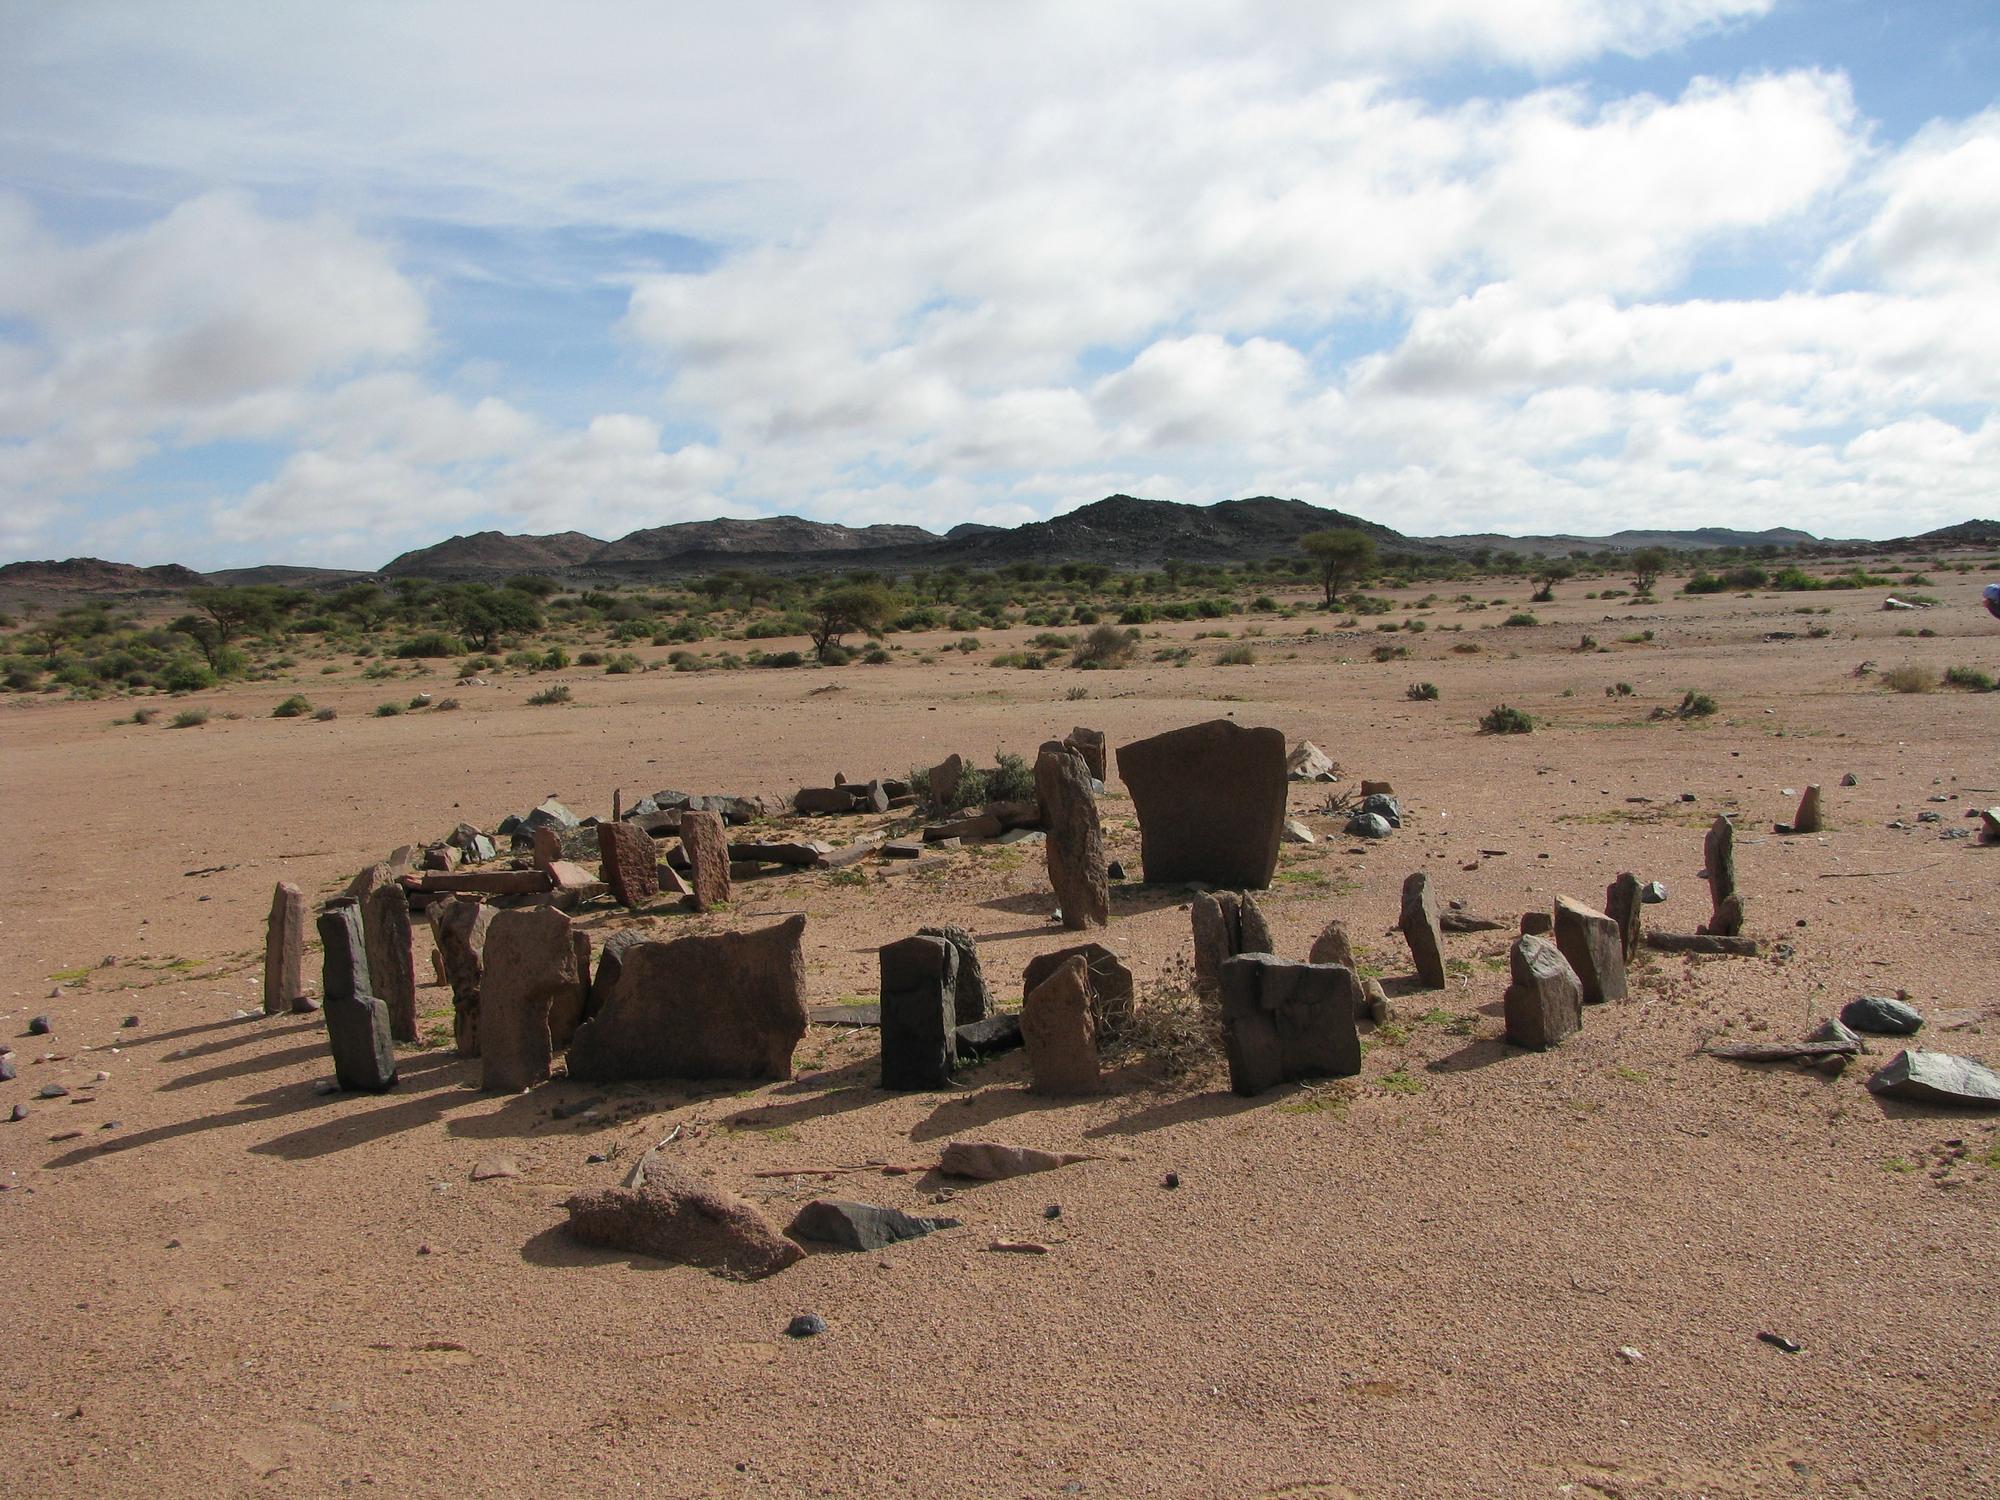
{"x": 571, "y": 1003}
{"x": 1253, "y": 928}
{"x": 1544, "y": 1003}
{"x": 944, "y": 778}
{"x": 1283, "y": 1021}
{"x": 1110, "y": 982}
{"x": 1419, "y": 922}
{"x": 1332, "y": 946}
{"x": 459, "y": 927}
{"x": 1624, "y": 902}
{"x": 392, "y": 959}
{"x": 357, "y": 1024}
{"x": 1808, "y": 819}
{"x": 972, "y": 1000}
{"x": 919, "y": 1012}
{"x": 1211, "y": 803}
{"x": 1089, "y": 743}
{"x": 1074, "y": 847}
{"x": 530, "y": 961}
{"x": 629, "y": 863}
{"x": 1591, "y": 942}
{"x": 1060, "y": 1037}
{"x": 1719, "y": 847}
{"x": 284, "y": 952}
{"x": 1217, "y": 918}
{"x": 710, "y": 1005}
{"x": 707, "y": 845}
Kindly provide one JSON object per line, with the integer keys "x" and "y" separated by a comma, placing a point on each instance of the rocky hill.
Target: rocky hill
{"x": 487, "y": 554}
{"x": 766, "y": 537}
{"x": 94, "y": 575}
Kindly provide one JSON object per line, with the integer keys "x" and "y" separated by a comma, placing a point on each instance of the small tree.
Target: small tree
{"x": 857, "y": 606}
{"x": 1550, "y": 572}
{"x": 1648, "y": 563}
{"x": 1341, "y": 557}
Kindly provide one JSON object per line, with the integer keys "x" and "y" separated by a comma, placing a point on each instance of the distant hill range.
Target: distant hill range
{"x": 1121, "y": 530}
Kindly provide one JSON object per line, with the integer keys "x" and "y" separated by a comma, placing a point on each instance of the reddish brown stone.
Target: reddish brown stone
{"x": 672, "y": 1216}
{"x": 392, "y": 963}
{"x": 1089, "y": 743}
{"x": 1217, "y": 917}
{"x": 1110, "y": 982}
{"x": 547, "y": 847}
{"x": 1419, "y": 922}
{"x": 1544, "y": 1003}
{"x": 567, "y": 1010}
{"x": 1211, "y": 803}
{"x": 1057, "y": 1030}
{"x": 1624, "y": 902}
{"x": 284, "y": 952}
{"x": 1591, "y": 942}
{"x": 529, "y": 961}
{"x": 707, "y": 848}
{"x": 629, "y": 862}
{"x": 1332, "y": 946}
{"x": 1074, "y": 847}
{"x": 460, "y": 928}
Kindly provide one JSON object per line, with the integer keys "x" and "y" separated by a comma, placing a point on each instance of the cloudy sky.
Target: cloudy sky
{"x": 318, "y": 283}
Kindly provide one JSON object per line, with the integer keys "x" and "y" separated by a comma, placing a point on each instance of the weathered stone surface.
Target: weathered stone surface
{"x": 629, "y": 863}
{"x": 1719, "y": 848}
{"x": 712, "y": 1005}
{"x": 1701, "y": 942}
{"x": 572, "y": 1001}
{"x": 1368, "y": 825}
{"x": 1537, "y": 924}
{"x": 1938, "y": 1078}
{"x": 1090, "y": 744}
{"x": 357, "y": 1024}
{"x": 1809, "y": 818}
{"x": 1283, "y": 1021}
{"x": 529, "y": 961}
{"x": 610, "y": 964}
{"x": 1879, "y": 1015}
{"x": 1989, "y": 825}
{"x": 545, "y": 846}
{"x": 1332, "y": 946}
{"x": 1057, "y": 1030}
{"x": 1218, "y": 935}
{"x": 919, "y": 977}
{"x": 1591, "y": 942}
{"x": 1455, "y": 918}
{"x": 1624, "y": 901}
{"x": 1296, "y": 832}
{"x": 1544, "y": 1003}
{"x": 978, "y": 826}
{"x": 859, "y": 1226}
{"x": 1211, "y": 803}
{"x": 820, "y": 800}
{"x": 803, "y": 854}
{"x": 1308, "y": 762}
{"x": 1419, "y": 924}
{"x": 284, "y": 952}
{"x": 990, "y": 1161}
{"x": 1110, "y": 982}
{"x": 707, "y": 848}
{"x": 459, "y": 928}
{"x": 551, "y": 814}
{"x": 944, "y": 779}
{"x": 392, "y": 959}
{"x": 1253, "y": 929}
{"x": 1025, "y": 814}
{"x": 972, "y": 1000}
{"x": 369, "y": 877}
{"x": 672, "y": 1216}
{"x": 999, "y": 1032}
{"x": 1075, "y": 846}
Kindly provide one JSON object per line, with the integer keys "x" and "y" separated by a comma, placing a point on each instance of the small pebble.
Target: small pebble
{"x": 1779, "y": 1341}
{"x": 1053, "y": 1211}
{"x": 53, "y": 1091}
{"x": 129, "y": 1022}
{"x": 1171, "y": 1180}
{"x": 597, "y": 1158}
{"x": 1630, "y": 1355}
{"x": 805, "y": 1325}
{"x": 103, "y": 1077}
{"x": 423, "y": 1249}
{"x": 7, "y": 1070}
{"x": 112, "y": 1125}
{"x": 20, "y": 1112}
{"x": 39, "y": 1026}
{"x": 173, "y": 1244}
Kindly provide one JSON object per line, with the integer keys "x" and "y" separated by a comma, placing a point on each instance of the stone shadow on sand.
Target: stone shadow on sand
{"x": 248, "y": 1033}
{"x": 402, "y": 1108}
{"x": 1480, "y": 1052}
{"x": 263, "y": 1061}
{"x": 1178, "y": 1109}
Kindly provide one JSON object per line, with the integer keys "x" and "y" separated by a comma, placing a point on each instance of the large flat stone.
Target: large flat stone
{"x": 1211, "y": 803}
{"x": 1938, "y": 1078}
{"x": 1284, "y": 1021}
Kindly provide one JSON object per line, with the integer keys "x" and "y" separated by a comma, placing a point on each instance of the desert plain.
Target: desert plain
{"x": 1470, "y": 1271}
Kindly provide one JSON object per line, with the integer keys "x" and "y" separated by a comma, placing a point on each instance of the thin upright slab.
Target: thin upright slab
{"x": 1074, "y": 848}
{"x": 1419, "y": 923}
{"x": 530, "y": 961}
{"x": 707, "y": 845}
{"x": 357, "y": 1024}
{"x": 1059, "y": 1034}
{"x": 284, "y": 952}
{"x": 459, "y": 928}
{"x": 392, "y": 961}
{"x": 919, "y": 985}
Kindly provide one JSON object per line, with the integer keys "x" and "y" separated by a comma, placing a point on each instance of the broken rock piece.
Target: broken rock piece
{"x": 672, "y": 1216}
{"x": 989, "y": 1161}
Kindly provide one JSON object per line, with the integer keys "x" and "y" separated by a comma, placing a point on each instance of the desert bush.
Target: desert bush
{"x": 1240, "y": 655}
{"x": 554, "y": 659}
{"x": 1421, "y": 692}
{"x": 1695, "y": 705}
{"x": 783, "y": 659}
{"x": 1908, "y": 678}
{"x": 1013, "y": 779}
{"x": 625, "y": 661}
{"x": 293, "y": 707}
{"x": 431, "y": 643}
{"x": 387, "y": 710}
{"x": 187, "y": 677}
{"x": 420, "y": 700}
{"x": 1969, "y": 679}
{"x": 1704, "y": 582}
{"x": 1519, "y": 618}
{"x": 376, "y": 671}
{"x": 1501, "y": 719}
{"x": 189, "y": 718}
{"x": 1588, "y": 643}
{"x": 325, "y": 716}
{"x": 1468, "y": 648}
{"x": 1076, "y": 694}
{"x": 1390, "y": 653}
{"x": 558, "y": 694}
{"x": 590, "y": 659}
{"x": 1050, "y": 640}
{"x": 445, "y": 705}
{"x": 966, "y": 643}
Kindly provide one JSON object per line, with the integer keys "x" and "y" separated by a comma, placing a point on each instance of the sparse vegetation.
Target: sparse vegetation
{"x": 293, "y": 707}
{"x": 189, "y": 718}
{"x": 1421, "y": 692}
{"x": 1106, "y": 647}
{"x": 550, "y": 695}
{"x": 1908, "y": 678}
{"x": 1520, "y": 618}
{"x": 1968, "y": 679}
{"x": 1240, "y": 655}
{"x": 1501, "y": 719}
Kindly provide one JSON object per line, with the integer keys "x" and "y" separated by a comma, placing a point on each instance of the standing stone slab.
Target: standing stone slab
{"x": 1075, "y": 846}
{"x": 1110, "y": 982}
{"x": 1057, "y": 1031}
{"x": 1808, "y": 818}
{"x": 1624, "y": 901}
{"x": 973, "y": 1001}
{"x": 1544, "y": 1004}
{"x": 944, "y": 779}
{"x": 357, "y": 1024}
{"x": 529, "y": 962}
{"x": 629, "y": 863}
{"x": 1421, "y": 931}
{"x": 1719, "y": 848}
{"x": 1332, "y": 946}
{"x": 392, "y": 959}
{"x": 1253, "y": 930}
{"x": 707, "y": 845}
{"x": 571, "y": 1003}
{"x": 1218, "y": 936}
{"x": 1211, "y": 803}
{"x": 712, "y": 1005}
{"x": 1591, "y": 942}
{"x": 459, "y": 927}
{"x": 284, "y": 952}
{"x": 1284, "y": 1021}
{"x": 919, "y": 1011}
{"x": 1089, "y": 743}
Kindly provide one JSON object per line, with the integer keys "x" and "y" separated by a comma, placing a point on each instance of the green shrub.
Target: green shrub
{"x": 189, "y": 718}
{"x": 1106, "y": 647}
{"x": 1504, "y": 720}
{"x": 1421, "y": 692}
{"x": 554, "y": 659}
{"x": 835, "y": 656}
{"x": 1013, "y": 779}
{"x": 590, "y": 659}
{"x": 1520, "y": 617}
{"x": 557, "y": 694}
{"x": 187, "y": 677}
{"x": 144, "y": 715}
{"x": 1241, "y": 655}
{"x": 325, "y": 716}
{"x": 293, "y": 707}
{"x": 387, "y": 710}
{"x": 1391, "y": 653}
{"x": 626, "y": 662}
{"x": 1971, "y": 679}
{"x": 1695, "y": 705}
{"x": 966, "y": 643}
{"x": 431, "y": 643}
{"x": 785, "y": 659}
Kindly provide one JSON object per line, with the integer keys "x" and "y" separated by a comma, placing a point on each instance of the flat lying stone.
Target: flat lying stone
{"x": 997, "y": 1033}
{"x": 845, "y": 1015}
{"x": 1881, "y": 1016}
{"x": 859, "y": 1226}
{"x": 989, "y": 1161}
{"x": 1780, "y": 1051}
{"x": 1938, "y": 1078}
{"x": 1701, "y": 942}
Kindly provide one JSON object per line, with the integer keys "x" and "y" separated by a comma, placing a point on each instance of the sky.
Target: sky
{"x": 320, "y": 283}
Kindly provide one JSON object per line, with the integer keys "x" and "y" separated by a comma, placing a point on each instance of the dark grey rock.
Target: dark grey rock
{"x": 1419, "y": 924}
{"x": 1938, "y": 1078}
{"x": 40, "y": 1026}
{"x": 52, "y": 1091}
{"x": 859, "y": 1226}
{"x": 1544, "y": 1003}
{"x": 1831, "y": 1030}
{"x": 1368, "y": 826}
{"x": 7, "y": 1070}
{"x": 550, "y": 814}
{"x": 1879, "y": 1015}
{"x": 1383, "y": 806}
{"x": 919, "y": 1001}
{"x": 1653, "y": 892}
{"x": 1115, "y": 870}
{"x": 805, "y": 1326}
{"x": 1286, "y": 1021}
{"x": 357, "y": 1024}
{"x": 972, "y": 1000}
{"x": 1000, "y": 1032}
{"x": 1210, "y": 800}
{"x": 20, "y": 1112}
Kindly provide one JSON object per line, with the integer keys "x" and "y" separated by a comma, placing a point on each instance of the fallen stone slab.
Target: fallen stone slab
{"x": 1701, "y": 942}
{"x": 1879, "y": 1015}
{"x": 902, "y": 849}
{"x": 1456, "y": 919}
{"x": 989, "y": 1161}
{"x": 852, "y": 853}
{"x": 799, "y": 855}
{"x": 710, "y": 1005}
{"x": 483, "y": 882}
{"x": 859, "y": 1226}
{"x": 1210, "y": 800}
{"x": 672, "y": 1216}
{"x": 845, "y": 1015}
{"x": 1938, "y": 1078}
{"x": 1000, "y": 1032}
{"x": 821, "y": 801}
{"x": 1762, "y": 1052}
{"x": 980, "y": 826}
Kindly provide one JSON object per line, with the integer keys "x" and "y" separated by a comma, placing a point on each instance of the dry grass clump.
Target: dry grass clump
{"x": 1174, "y": 1031}
{"x": 1908, "y": 678}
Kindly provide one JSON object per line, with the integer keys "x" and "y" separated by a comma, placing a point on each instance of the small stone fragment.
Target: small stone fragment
{"x": 859, "y": 1226}
{"x": 1332, "y": 946}
{"x": 39, "y": 1026}
{"x": 1807, "y": 818}
{"x": 494, "y": 1167}
{"x": 1297, "y": 833}
{"x": 805, "y": 1326}
{"x": 989, "y": 1161}
{"x": 1881, "y": 1016}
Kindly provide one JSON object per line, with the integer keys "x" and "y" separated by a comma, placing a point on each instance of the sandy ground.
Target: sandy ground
{"x": 1414, "y": 1284}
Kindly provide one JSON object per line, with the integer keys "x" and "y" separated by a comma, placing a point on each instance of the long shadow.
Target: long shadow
{"x": 1178, "y": 1110}
{"x": 1132, "y": 899}
{"x": 262, "y": 1062}
{"x": 376, "y": 1116}
{"x": 1023, "y": 904}
{"x": 1019, "y": 932}
{"x": 1408, "y": 984}
{"x": 271, "y": 1104}
{"x": 834, "y": 1091}
{"x": 146, "y": 1038}
{"x": 554, "y": 1247}
{"x": 1483, "y": 1052}
{"x": 308, "y": 1026}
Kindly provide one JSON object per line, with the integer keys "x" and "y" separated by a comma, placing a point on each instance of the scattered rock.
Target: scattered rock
{"x": 52, "y": 1091}
{"x": 1780, "y": 1342}
{"x": 8, "y": 1073}
{"x": 494, "y": 1167}
{"x": 1019, "y": 1247}
{"x": 805, "y": 1326}
{"x": 989, "y": 1161}
{"x": 1850, "y": 779}
{"x": 1210, "y": 800}
{"x": 1701, "y": 942}
{"x": 1807, "y": 818}
{"x": 1938, "y": 1078}
{"x": 672, "y": 1216}
{"x": 919, "y": 978}
{"x": 1624, "y": 900}
{"x": 1308, "y": 762}
{"x": 129, "y": 1022}
{"x": 1368, "y": 826}
{"x": 1296, "y": 832}
{"x": 1762, "y": 1052}
{"x": 20, "y": 1112}
{"x": 1654, "y": 892}
{"x": 1544, "y": 1003}
{"x": 1831, "y": 1030}
{"x": 39, "y": 1026}
{"x": 1000, "y": 1032}
{"x": 859, "y": 1226}
{"x": 1284, "y": 1021}
{"x": 1057, "y": 1030}
{"x": 1881, "y": 1016}
{"x": 1591, "y": 942}
{"x": 1419, "y": 924}
{"x": 1090, "y": 744}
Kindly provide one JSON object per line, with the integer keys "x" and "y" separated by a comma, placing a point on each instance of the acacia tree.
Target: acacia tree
{"x": 1341, "y": 557}
{"x": 1548, "y": 574}
{"x": 856, "y": 606}
{"x": 1648, "y": 563}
